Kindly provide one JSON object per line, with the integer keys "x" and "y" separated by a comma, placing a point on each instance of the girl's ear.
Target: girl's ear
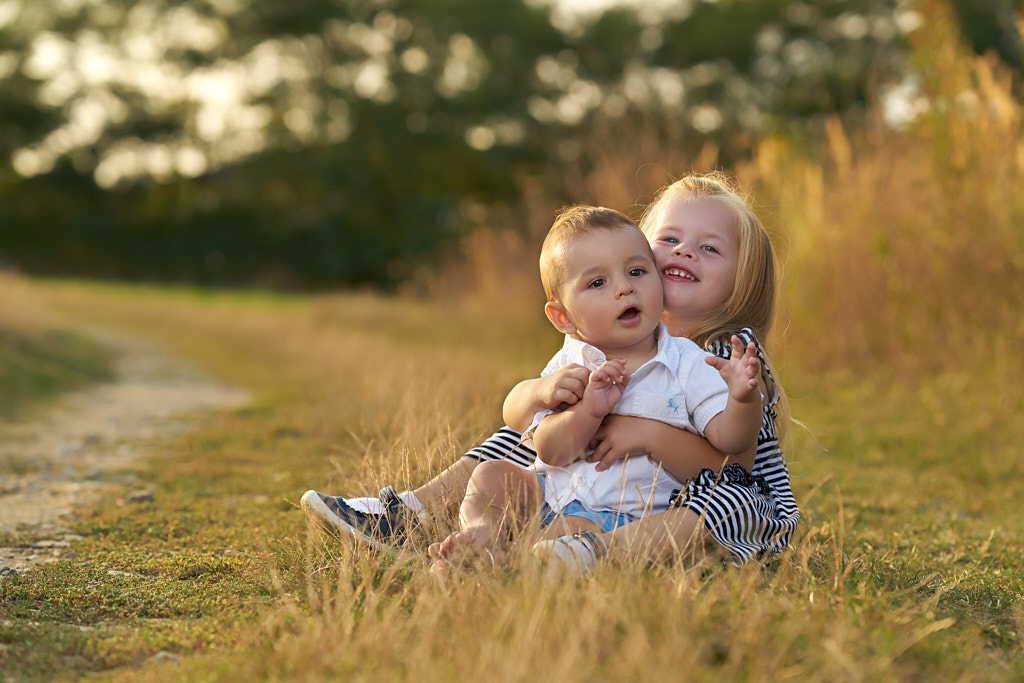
{"x": 559, "y": 318}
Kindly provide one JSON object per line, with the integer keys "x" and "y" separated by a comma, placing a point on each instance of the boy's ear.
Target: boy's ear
{"x": 559, "y": 318}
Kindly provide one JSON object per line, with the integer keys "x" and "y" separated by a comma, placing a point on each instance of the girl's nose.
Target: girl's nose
{"x": 683, "y": 250}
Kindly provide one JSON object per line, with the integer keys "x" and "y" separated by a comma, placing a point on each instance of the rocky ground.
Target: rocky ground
{"x": 65, "y": 457}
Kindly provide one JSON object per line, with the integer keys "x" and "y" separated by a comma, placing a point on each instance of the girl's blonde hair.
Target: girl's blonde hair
{"x": 752, "y": 302}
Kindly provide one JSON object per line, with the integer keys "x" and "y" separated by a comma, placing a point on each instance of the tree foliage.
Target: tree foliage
{"x": 317, "y": 144}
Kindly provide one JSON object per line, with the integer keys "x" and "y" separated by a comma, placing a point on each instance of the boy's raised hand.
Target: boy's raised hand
{"x": 564, "y": 387}
{"x": 605, "y": 387}
{"x": 741, "y": 371}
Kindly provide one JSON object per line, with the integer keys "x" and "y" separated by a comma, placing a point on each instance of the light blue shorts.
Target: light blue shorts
{"x": 606, "y": 521}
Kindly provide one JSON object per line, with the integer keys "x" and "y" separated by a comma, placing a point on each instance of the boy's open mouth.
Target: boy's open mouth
{"x": 629, "y": 315}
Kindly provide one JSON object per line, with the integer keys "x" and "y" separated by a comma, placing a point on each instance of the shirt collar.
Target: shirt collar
{"x": 591, "y": 357}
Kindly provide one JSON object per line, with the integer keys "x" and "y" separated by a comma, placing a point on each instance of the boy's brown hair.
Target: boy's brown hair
{"x": 570, "y": 223}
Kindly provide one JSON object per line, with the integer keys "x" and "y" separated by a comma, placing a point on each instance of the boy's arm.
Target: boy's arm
{"x": 529, "y": 397}
{"x": 562, "y": 437}
{"x": 735, "y": 428}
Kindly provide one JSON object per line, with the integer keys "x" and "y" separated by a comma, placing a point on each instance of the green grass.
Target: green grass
{"x": 37, "y": 367}
{"x": 907, "y": 565}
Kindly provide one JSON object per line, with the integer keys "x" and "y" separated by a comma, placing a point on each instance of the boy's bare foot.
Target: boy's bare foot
{"x": 464, "y": 547}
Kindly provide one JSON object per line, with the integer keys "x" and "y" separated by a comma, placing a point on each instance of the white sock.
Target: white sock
{"x": 370, "y": 506}
{"x": 577, "y": 552}
{"x": 410, "y": 499}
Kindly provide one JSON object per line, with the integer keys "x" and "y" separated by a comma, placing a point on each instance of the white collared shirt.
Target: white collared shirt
{"x": 676, "y": 386}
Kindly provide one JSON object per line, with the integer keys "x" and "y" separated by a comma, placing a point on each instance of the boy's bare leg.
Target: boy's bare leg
{"x": 443, "y": 494}
{"x": 499, "y": 497}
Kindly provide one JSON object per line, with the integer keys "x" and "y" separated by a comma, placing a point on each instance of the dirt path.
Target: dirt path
{"x": 69, "y": 455}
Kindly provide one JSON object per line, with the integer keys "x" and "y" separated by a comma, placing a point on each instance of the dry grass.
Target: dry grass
{"x": 900, "y": 347}
{"x": 354, "y": 392}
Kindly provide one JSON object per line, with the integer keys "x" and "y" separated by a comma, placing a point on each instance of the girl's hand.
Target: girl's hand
{"x": 619, "y": 437}
{"x": 564, "y": 387}
{"x": 605, "y": 387}
{"x": 741, "y": 372}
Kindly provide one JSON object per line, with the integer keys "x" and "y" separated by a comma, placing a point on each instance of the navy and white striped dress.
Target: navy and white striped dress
{"x": 751, "y": 514}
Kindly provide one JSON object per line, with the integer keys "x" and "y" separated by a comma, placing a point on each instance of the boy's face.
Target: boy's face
{"x": 612, "y": 296}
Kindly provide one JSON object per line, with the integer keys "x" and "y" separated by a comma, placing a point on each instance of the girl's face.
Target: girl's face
{"x": 696, "y": 249}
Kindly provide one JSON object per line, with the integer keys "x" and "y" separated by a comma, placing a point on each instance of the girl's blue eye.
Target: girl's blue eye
{"x": 708, "y": 247}
{"x": 670, "y": 240}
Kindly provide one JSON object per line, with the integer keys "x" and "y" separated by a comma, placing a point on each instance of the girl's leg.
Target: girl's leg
{"x": 500, "y": 497}
{"x": 387, "y": 519}
{"x": 677, "y": 534}
{"x": 443, "y": 494}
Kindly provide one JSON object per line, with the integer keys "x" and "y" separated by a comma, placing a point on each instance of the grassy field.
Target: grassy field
{"x": 907, "y": 565}
{"x": 899, "y": 344}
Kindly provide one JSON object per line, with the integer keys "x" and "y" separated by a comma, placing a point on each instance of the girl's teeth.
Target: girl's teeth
{"x": 679, "y": 273}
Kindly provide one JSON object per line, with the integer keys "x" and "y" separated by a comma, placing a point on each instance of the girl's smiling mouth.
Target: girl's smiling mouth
{"x": 679, "y": 272}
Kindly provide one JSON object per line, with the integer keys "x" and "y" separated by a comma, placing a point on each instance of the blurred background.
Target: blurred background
{"x": 317, "y": 145}
{"x": 421, "y": 146}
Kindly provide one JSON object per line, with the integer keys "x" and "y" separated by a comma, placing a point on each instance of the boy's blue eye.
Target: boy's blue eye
{"x": 670, "y": 240}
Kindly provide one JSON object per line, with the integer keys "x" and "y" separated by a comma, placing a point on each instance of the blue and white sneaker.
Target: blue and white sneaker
{"x": 576, "y": 552}
{"x": 386, "y": 530}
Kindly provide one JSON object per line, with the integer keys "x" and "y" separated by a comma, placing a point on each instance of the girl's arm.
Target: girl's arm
{"x": 682, "y": 453}
{"x": 735, "y": 428}
{"x": 563, "y": 387}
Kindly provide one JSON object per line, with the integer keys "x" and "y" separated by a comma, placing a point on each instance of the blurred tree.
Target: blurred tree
{"x": 992, "y": 25}
{"x": 334, "y": 142}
